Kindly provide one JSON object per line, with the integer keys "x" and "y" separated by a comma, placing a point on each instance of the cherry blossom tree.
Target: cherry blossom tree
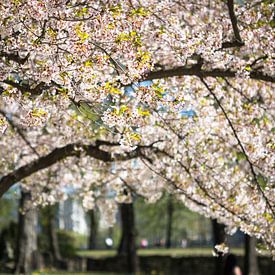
{"x": 145, "y": 96}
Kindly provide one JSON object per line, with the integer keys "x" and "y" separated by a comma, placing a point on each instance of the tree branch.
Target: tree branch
{"x": 19, "y": 131}
{"x": 25, "y": 88}
{"x": 174, "y": 184}
{"x": 254, "y": 174}
{"x": 15, "y": 57}
{"x": 196, "y": 71}
{"x": 58, "y": 154}
{"x": 178, "y": 71}
{"x": 238, "y": 40}
{"x": 200, "y": 185}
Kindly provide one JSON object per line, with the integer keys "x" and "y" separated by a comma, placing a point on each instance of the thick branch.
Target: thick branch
{"x": 25, "y": 88}
{"x": 15, "y": 57}
{"x": 232, "y": 44}
{"x": 58, "y": 154}
{"x": 196, "y": 71}
{"x": 178, "y": 71}
{"x": 238, "y": 40}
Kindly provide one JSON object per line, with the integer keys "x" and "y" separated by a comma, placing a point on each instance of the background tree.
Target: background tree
{"x": 27, "y": 257}
{"x": 219, "y": 238}
{"x": 48, "y": 215}
{"x": 250, "y": 259}
{"x": 127, "y": 248}
{"x": 170, "y": 209}
{"x": 8, "y": 225}
{"x": 92, "y": 242}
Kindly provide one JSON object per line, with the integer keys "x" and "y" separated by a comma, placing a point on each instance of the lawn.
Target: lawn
{"x": 173, "y": 252}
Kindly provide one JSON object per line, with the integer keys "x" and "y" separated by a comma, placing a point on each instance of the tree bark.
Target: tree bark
{"x": 26, "y": 254}
{"x": 58, "y": 154}
{"x": 93, "y": 230}
{"x": 218, "y": 238}
{"x": 197, "y": 71}
{"x": 169, "y": 225}
{"x": 127, "y": 246}
{"x": 4, "y": 255}
{"x": 54, "y": 246}
{"x": 250, "y": 258}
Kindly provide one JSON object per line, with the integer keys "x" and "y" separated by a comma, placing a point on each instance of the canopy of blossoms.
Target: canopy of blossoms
{"x": 113, "y": 98}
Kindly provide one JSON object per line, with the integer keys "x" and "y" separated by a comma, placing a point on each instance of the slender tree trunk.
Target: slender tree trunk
{"x": 218, "y": 238}
{"x": 93, "y": 230}
{"x": 54, "y": 246}
{"x": 170, "y": 210}
{"x": 48, "y": 223}
{"x": 127, "y": 247}
{"x": 250, "y": 258}
{"x": 26, "y": 254}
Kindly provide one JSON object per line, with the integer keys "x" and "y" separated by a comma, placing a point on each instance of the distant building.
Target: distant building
{"x": 71, "y": 216}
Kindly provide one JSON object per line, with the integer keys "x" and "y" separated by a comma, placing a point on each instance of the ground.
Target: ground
{"x": 174, "y": 252}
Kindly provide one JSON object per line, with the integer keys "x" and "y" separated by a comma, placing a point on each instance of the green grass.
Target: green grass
{"x": 173, "y": 252}
{"x": 97, "y": 253}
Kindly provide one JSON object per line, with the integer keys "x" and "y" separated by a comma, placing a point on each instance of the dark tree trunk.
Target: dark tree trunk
{"x": 48, "y": 222}
{"x": 169, "y": 225}
{"x": 26, "y": 254}
{"x": 93, "y": 230}
{"x": 127, "y": 246}
{"x": 4, "y": 255}
{"x": 218, "y": 238}
{"x": 54, "y": 246}
{"x": 250, "y": 258}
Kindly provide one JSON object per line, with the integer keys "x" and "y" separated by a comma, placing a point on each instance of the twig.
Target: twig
{"x": 19, "y": 131}
{"x": 234, "y": 22}
{"x": 239, "y": 143}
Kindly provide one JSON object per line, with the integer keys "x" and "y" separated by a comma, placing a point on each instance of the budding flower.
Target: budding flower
{"x": 220, "y": 248}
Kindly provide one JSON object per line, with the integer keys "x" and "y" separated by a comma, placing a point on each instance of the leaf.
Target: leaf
{"x": 140, "y": 12}
{"x": 262, "y": 181}
{"x": 268, "y": 217}
{"x": 240, "y": 156}
{"x": 143, "y": 112}
{"x": 37, "y": 112}
{"x": 88, "y": 63}
{"x": 265, "y": 119}
{"x": 86, "y": 110}
{"x": 123, "y": 109}
{"x": 111, "y": 89}
{"x": 82, "y": 35}
{"x": 82, "y": 12}
{"x": 135, "y": 136}
{"x": 256, "y": 121}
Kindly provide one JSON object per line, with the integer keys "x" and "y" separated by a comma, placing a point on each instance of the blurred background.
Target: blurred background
{"x": 160, "y": 238}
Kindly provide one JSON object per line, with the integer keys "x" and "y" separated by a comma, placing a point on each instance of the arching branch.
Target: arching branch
{"x": 58, "y": 154}
{"x": 197, "y": 71}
